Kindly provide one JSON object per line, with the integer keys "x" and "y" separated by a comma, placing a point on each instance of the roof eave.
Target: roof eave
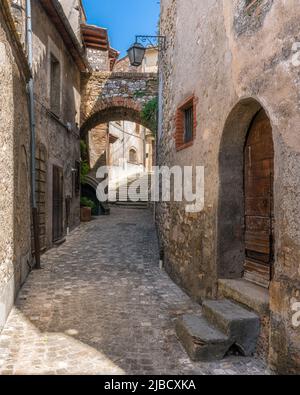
{"x": 56, "y": 13}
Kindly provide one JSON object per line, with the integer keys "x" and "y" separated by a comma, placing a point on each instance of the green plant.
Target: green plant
{"x": 138, "y": 94}
{"x": 85, "y": 202}
{"x": 83, "y": 149}
{"x": 84, "y": 171}
{"x": 149, "y": 114}
{"x": 84, "y": 168}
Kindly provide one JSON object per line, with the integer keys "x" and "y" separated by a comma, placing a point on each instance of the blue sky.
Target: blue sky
{"x": 124, "y": 19}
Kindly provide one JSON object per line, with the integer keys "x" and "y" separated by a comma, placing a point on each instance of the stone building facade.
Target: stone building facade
{"x": 242, "y": 65}
{"x": 135, "y": 143}
{"x": 134, "y": 146}
{"x": 15, "y": 243}
{"x": 58, "y": 61}
{"x": 149, "y": 63}
{"x": 58, "y": 98}
{"x": 112, "y": 124}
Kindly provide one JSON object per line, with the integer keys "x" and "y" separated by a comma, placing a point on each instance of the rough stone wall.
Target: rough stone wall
{"x": 15, "y": 243}
{"x": 99, "y": 60}
{"x": 97, "y": 143}
{"x": 115, "y": 96}
{"x": 233, "y": 53}
{"x": 57, "y": 133}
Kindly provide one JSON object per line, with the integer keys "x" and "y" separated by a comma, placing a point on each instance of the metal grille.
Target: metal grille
{"x": 188, "y": 124}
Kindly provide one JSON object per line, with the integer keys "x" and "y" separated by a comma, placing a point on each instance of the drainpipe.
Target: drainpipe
{"x": 35, "y": 216}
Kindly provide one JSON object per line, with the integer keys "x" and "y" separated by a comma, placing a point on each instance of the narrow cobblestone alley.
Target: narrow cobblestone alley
{"x": 102, "y": 306}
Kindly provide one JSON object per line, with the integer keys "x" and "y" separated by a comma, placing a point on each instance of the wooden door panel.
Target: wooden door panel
{"x": 259, "y": 211}
{"x": 261, "y": 169}
{"x": 258, "y": 153}
{"x": 57, "y": 212}
{"x": 258, "y": 187}
{"x": 257, "y": 224}
{"x": 258, "y": 242}
{"x": 259, "y": 207}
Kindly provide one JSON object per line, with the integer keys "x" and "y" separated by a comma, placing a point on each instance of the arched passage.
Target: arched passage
{"x": 101, "y": 121}
{"x": 115, "y": 109}
{"x": 234, "y": 215}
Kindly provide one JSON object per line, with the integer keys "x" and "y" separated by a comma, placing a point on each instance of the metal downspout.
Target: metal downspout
{"x": 35, "y": 216}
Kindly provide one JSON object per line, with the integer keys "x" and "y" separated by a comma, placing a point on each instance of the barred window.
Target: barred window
{"x": 185, "y": 124}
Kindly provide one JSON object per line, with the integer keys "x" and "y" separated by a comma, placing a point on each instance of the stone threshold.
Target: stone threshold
{"x": 246, "y": 293}
{"x": 59, "y": 242}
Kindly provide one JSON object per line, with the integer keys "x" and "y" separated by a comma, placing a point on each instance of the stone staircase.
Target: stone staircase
{"x": 122, "y": 191}
{"x": 222, "y": 325}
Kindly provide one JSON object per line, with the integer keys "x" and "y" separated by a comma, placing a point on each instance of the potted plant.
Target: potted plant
{"x": 86, "y": 207}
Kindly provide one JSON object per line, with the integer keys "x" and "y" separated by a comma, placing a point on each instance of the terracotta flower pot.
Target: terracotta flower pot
{"x": 85, "y": 214}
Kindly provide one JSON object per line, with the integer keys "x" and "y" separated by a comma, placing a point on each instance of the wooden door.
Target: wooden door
{"x": 259, "y": 212}
{"x": 57, "y": 215}
{"x": 40, "y": 193}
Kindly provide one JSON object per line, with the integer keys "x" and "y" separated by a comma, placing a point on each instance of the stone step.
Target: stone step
{"x": 201, "y": 341}
{"x": 240, "y": 325}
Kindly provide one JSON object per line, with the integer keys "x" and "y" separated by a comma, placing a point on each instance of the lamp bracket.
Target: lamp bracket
{"x": 152, "y": 42}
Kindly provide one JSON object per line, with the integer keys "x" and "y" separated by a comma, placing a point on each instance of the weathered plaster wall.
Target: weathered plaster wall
{"x": 233, "y": 54}
{"x": 62, "y": 145}
{"x": 15, "y": 243}
{"x": 129, "y": 137}
{"x": 74, "y": 13}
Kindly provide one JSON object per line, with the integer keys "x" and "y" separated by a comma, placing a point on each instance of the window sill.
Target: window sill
{"x": 185, "y": 146}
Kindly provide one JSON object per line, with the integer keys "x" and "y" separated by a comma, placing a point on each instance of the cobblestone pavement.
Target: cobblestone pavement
{"x": 102, "y": 306}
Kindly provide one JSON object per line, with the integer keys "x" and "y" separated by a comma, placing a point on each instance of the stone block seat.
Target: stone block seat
{"x": 222, "y": 324}
{"x": 202, "y": 341}
{"x": 240, "y": 325}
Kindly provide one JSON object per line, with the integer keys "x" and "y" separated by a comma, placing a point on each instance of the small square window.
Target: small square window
{"x": 185, "y": 124}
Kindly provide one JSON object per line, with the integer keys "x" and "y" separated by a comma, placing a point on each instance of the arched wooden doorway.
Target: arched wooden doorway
{"x": 246, "y": 223}
{"x": 259, "y": 201}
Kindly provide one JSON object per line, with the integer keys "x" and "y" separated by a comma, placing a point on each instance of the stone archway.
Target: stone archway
{"x": 109, "y": 97}
{"x": 114, "y": 109}
{"x": 113, "y": 96}
{"x": 231, "y": 209}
